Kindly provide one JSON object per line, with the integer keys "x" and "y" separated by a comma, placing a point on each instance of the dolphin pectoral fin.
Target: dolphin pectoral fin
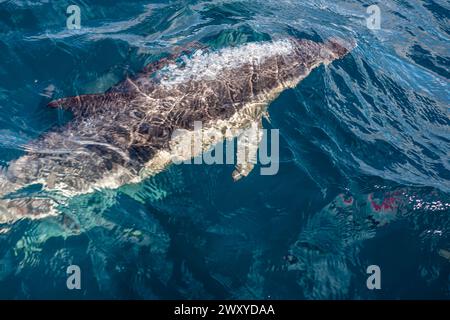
{"x": 266, "y": 116}
{"x": 248, "y": 144}
{"x": 242, "y": 170}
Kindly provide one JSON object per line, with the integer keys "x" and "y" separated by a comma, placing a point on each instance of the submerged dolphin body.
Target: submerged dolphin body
{"x": 126, "y": 134}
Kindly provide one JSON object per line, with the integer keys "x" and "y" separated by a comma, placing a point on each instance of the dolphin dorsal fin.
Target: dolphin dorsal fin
{"x": 130, "y": 83}
{"x": 88, "y": 104}
{"x": 176, "y": 53}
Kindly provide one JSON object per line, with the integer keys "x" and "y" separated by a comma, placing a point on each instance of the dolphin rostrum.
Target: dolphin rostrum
{"x": 126, "y": 134}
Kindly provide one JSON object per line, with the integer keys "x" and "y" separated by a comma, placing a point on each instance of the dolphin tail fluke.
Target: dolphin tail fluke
{"x": 12, "y": 210}
{"x": 6, "y": 185}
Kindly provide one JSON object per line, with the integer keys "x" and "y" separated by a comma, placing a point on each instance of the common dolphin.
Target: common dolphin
{"x": 126, "y": 134}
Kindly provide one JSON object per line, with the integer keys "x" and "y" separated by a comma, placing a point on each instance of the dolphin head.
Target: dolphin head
{"x": 306, "y": 55}
{"x": 336, "y": 48}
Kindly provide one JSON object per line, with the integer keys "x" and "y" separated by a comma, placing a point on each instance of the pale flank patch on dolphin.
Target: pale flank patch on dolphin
{"x": 207, "y": 66}
{"x": 127, "y": 134}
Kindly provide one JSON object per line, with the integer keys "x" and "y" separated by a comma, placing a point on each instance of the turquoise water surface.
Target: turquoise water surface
{"x": 364, "y": 175}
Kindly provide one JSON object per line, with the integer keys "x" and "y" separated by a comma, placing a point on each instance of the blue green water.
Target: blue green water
{"x": 364, "y": 176}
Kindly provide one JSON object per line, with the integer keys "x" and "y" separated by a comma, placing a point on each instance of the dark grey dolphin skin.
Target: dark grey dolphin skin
{"x": 117, "y": 134}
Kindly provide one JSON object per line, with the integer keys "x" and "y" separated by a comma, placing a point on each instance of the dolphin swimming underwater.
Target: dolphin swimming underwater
{"x": 126, "y": 134}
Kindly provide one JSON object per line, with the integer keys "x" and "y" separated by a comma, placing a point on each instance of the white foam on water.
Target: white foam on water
{"x": 206, "y": 66}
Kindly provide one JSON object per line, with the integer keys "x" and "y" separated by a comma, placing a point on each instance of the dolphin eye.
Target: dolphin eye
{"x": 138, "y": 114}
{"x": 160, "y": 132}
{"x": 144, "y": 128}
{"x": 234, "y": 95}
